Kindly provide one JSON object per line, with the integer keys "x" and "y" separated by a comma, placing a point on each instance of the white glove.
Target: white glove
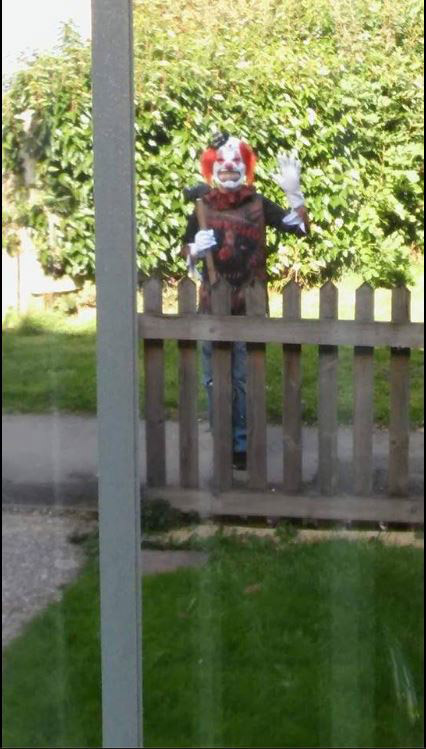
{"x": 203, "y": 240}
{"x": 288, "y": 178}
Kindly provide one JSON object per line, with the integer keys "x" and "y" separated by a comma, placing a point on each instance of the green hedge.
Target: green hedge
{"x": 339, "y": 80}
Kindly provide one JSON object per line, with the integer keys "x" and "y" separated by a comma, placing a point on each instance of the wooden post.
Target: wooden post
{"x": 399, "y": 427}
{"x": 292, "y": 404}
{"x": 327, "y": 406}
{"x": 202, "y": 223}
{"x": 188, "y": 393}
{"x": 222, "y": 394}
{"x": 363, "y": 398}
{"x": 256, "y": 393}
{"x": 155, "y": 436}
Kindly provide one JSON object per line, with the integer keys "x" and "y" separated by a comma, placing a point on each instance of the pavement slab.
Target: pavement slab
{"x": 52, "y": 458}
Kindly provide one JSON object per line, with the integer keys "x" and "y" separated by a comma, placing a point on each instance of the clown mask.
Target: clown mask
{"x": 230, "y": 165}
{"x": 229, "y": 170}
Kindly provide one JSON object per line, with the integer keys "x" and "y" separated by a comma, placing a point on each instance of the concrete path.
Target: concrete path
{"x": 51, "y": 459}
{"x": 39, "y": 558}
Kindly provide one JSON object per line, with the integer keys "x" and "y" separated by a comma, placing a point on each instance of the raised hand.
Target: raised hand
{"x": 288, "y": 178}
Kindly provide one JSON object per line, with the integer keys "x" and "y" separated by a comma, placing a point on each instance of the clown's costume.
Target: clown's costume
{"x": 237, "y": 217}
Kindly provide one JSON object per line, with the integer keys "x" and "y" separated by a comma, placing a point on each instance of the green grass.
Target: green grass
{"x": 289, "y": 646}
{"x": 57, "y": 370}
{"x": 47, "y": 368}
{"x": 49, "y": 362}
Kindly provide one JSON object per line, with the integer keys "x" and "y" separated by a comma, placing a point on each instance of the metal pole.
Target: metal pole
{"x": 119, "y": 500}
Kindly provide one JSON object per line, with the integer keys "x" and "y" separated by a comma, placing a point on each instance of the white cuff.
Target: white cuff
{"x": 293, "y": 219}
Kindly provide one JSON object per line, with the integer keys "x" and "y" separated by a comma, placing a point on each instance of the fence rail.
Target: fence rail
{"x": 291, "y": 331}
{"x": 272, "y": 330}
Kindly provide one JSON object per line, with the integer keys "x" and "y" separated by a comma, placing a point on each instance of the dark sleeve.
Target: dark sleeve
{"x": 191, "y": 229}
{"x": 274, "y": 215}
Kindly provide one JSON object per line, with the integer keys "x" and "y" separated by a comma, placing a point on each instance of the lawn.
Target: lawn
{"x": 49, "y": 363}
{"x": 286, "y": 645}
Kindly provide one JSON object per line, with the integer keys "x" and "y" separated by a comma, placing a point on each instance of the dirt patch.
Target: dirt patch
{"x": 396, "y": 538}
{"x": 155, "y": 561}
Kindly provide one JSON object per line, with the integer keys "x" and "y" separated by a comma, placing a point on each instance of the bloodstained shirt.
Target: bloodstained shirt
{"x": 238, "y": 219}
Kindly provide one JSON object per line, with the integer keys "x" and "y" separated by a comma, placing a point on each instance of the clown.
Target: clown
{"x": 236, "y": 217}
{"x": 230, "y": 165}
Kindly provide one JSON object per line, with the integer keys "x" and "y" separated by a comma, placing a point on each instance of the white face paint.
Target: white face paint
{"x": 229, "y": 170}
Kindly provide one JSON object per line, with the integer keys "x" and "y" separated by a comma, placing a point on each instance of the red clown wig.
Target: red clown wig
{"x": 209, "y": 156}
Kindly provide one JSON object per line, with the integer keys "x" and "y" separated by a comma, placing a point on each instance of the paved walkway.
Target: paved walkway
{"x": 40, "y": 557}
{"x": 52, "y": 458}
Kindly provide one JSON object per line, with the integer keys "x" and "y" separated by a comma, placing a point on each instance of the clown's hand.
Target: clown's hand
{"x": 288, "y": 178}
{"x": 204, "y": 240}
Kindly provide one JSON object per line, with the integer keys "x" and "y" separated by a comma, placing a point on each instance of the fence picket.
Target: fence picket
{"x": 327, "y": 405}
{"x": 399, "y": 427}
{"x": 256, "y": 394}
{"x": 363, "y": 398}
{"x": 188, "y": 393}
{"x": 292, "y": 404}
{"x": 222, "y": 394}
{"x": 292, "y": 332}
{"x": 154, "y": 391}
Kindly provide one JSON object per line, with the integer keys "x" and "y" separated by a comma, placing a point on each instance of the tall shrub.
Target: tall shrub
{"x": 339, "y": 80}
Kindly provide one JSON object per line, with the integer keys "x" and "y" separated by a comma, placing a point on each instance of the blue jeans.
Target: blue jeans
{"x": 239, "y": 377}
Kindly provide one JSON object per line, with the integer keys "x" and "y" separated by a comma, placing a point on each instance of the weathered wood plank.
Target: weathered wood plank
{"x": 327, "y": 398}
{"x": 222, "y": 393}
{"x": 316, "y": 332}
{"x": 256, "y": 393}
{"x": 292, "y": 396}
{"x": 399, "y": 424}
{"x": 363, "y": 380}
{"x": 154, "y": 392}
{"x": 266, "y": 504}
{"x": 188, "y": 393}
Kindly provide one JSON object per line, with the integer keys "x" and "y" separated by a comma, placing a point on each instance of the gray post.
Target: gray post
{"x": 119, "y": 504}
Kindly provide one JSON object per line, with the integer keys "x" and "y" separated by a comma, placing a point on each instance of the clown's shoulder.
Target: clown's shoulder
{"x": 282, "y": 219}
{"x": 191, "y": 194}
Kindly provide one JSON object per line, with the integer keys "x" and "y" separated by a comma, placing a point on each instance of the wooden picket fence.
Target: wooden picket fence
{"x": 291, "y": 331}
